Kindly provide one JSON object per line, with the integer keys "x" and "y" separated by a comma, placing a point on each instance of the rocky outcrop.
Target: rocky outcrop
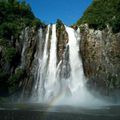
{"x": 100, "y": 52}
{"x": 62, "y": 40}
{"x": 33, "y": 42}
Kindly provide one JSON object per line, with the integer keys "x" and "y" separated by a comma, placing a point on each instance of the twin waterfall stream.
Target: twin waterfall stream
{"x": 63, "y": 82}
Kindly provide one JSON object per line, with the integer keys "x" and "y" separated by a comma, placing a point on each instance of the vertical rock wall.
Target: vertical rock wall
{"x": 101, "y": 57}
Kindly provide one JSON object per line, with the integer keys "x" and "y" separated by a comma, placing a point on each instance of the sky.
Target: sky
{"x": 69, "y": 11}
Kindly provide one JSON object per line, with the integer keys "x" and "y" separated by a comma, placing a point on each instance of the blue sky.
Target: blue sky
{"x": 69, "y": 11}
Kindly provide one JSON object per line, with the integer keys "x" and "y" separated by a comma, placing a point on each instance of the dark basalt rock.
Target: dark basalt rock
{"x": 62, "y": 40}
{"x": 100, "y": 53}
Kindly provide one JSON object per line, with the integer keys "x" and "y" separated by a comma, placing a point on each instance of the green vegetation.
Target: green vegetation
{"x": 14, "y": 16}
{"x": 59, "y": 24}
{"x": 102, "y": 13}
{"x": 10, "y": 54}
{"x": 113, "y": 81}
{"x": 4, "y": 42}
{"x": 15, "y": 79}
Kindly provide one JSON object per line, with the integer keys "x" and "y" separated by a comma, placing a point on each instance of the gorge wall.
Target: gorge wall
{"x": 21, "y": 52}
{"x": 99, "y": 51}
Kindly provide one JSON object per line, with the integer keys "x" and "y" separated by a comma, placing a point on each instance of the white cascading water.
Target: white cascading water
{"x": 39, "y": 86}
{"x": 77, "y": 76}
{"x": 52, "y": 81}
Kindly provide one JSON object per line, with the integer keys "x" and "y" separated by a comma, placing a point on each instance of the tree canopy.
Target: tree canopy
{"x": 102, "y": 13}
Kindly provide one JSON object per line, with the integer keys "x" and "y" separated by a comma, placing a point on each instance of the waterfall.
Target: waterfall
{"x": 64, "y": 79}
{"x": 42, "y": 63}
{"x": 51, "y": 80}
{"x": 77, "y": 75}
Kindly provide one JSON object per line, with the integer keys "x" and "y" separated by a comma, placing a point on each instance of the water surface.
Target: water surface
{"x": 44, "y": 112}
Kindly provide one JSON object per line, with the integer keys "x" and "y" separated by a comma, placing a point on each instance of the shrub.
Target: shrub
{"x": 9, "y": 54}
{"x": 15, "y": 79}
{"x": 58, "y": 24}
{"x": 4, "y": 42}
{"x": 37, "y": 23}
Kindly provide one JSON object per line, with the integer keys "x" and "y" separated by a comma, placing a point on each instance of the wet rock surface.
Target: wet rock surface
{"x": 100, "y": 52}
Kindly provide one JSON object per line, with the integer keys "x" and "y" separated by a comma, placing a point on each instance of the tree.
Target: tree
{"x": 101, "y": 13}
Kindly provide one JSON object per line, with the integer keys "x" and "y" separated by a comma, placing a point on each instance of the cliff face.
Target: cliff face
{"x": 100, "y": 52}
